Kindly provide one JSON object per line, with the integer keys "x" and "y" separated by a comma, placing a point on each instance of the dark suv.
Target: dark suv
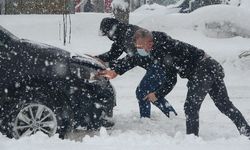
{"x": 44, "y": 88}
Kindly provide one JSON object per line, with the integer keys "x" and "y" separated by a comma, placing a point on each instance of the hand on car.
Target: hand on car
{"x": 151, "y": 97}
{"x": 110, "y": 74}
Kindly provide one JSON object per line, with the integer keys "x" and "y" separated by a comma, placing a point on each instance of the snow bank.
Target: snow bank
{"x": 222, "y": 21}
{"x": 206, "y": 25}
{"x": 245, "y": 4}
{"x": 155, "y": 9}
{"x": 217, "y": 21}
{"x": 124, "y": 141}
{"x": 241, "y": 3}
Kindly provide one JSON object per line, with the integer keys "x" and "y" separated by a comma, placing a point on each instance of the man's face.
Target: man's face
{"x": 145, "y": 43}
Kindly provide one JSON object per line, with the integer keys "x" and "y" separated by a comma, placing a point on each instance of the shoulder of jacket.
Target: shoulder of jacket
{"x": 160, "y": 35}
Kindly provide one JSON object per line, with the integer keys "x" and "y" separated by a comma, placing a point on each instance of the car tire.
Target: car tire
{"x": 39, "y": 110}
{"x": 34, "y": 117}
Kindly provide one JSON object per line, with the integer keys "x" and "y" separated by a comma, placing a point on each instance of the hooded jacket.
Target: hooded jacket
{"x": 122, "y": 35}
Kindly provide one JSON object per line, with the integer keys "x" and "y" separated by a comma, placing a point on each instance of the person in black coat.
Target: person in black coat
{"x": 122, "y": 34}
{"x": 205, "y": 76}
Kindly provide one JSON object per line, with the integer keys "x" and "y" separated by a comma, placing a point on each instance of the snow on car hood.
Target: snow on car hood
{"x": 46, "y": 47}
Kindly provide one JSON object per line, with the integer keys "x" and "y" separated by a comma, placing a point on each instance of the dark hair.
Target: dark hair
{"x": 107, "y": 25}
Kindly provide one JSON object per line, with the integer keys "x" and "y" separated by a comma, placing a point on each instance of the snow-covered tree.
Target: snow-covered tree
{"x": 120, "y": 9}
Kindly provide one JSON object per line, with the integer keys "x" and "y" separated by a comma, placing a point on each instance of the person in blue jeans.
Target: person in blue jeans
{"x": 151, "y": 82}
{"x": 123, "y": 43}
{"x": 158, "y": 79}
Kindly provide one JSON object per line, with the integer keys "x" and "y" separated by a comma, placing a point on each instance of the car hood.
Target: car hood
{"x": 51, "y": 50}
{"x": 58, "y": 52}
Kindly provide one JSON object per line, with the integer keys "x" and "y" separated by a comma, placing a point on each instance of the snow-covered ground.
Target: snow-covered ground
{"x": 159, "y": 132}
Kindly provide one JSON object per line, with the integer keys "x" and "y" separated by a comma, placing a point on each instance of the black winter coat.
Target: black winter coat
{"x": 170, "y": 52}
{"x": 126, "y": 64}
{"x": 123, "y": 42}
{"x": 175, "y": 56}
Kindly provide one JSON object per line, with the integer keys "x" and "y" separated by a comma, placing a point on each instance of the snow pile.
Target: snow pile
{"x": 217, "y": 21}
{"x": 155, "y": 9}
{"x": 222, "y": 21}
{"x": 123, "y": 141}
{"x": 245, "y": 4}
{"x": 241, "y": 3}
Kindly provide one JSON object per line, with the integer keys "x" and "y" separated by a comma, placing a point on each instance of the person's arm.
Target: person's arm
{"x": 118, "y": 68}
{"x": 168, "y": 85}
{"x": 114, "y": 53}
{"x": 127, "y": 63}
{"x": 123, "y": 66}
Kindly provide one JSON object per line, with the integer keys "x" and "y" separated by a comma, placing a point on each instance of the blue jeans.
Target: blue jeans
{"x": 153, "y": 79}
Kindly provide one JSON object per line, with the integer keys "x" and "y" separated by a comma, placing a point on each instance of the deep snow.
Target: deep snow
{"x": 159, "y": 132}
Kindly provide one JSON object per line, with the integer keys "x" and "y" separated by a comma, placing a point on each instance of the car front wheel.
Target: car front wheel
{"x": 33, "y": 118}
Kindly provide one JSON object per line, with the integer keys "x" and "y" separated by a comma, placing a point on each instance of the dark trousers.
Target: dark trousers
{"x": 208, "y": 78}
{"x": 152, "y": 80}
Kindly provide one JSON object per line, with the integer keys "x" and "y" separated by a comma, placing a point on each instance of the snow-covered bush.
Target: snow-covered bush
{"x": 121, "y": 4}
{"x": 120, "y": 9}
